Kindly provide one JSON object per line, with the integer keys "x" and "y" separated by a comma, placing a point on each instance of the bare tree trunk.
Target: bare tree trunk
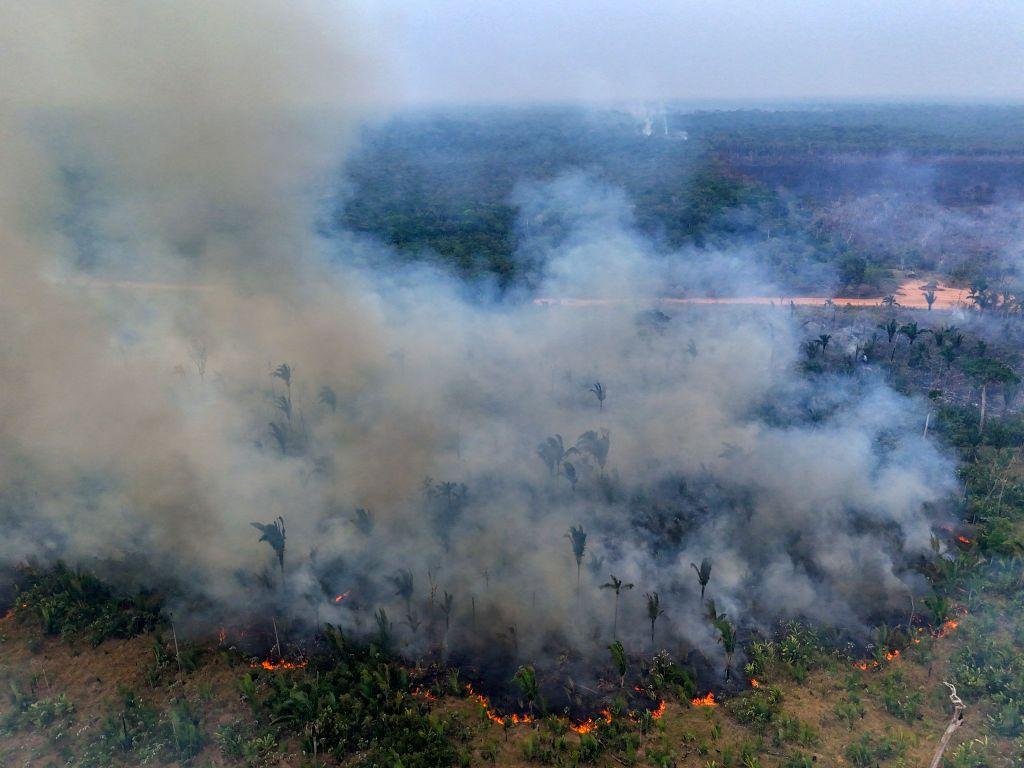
{"x": 984, "y": 401}
{"x": 955, "y": 722}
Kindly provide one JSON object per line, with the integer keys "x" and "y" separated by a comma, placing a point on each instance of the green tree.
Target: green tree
{"x": 619, "y": 658}
{"x": 986, "y": 371}
{"x": 703, "y": 574}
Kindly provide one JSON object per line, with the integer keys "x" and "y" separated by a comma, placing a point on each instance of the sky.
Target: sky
{"x": 486, "y": 51}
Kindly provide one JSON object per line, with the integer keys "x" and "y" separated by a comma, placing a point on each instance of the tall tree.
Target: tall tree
{"x": 597, "y": 444}
{"x": 600, "y": 393}
{"x": 654, "y": 611}
{"x": 578, "y": 538}
{"x": 274, "y": 534}
{"x": 403, "y": 583}
{"x": 617, "y": 585}
{"x": 552, "y": 452}
{"x": 703, "y": 574}
{"x": 986, "y": 371}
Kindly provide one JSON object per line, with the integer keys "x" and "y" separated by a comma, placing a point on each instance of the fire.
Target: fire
{"x": 662, "y": 706}
{"x": 222, "y": 635}
{"x": 492, "y": 715}
{"x": 705, "y": 701}
{"x": 342, "y": 596}
{"x": 423, "y": 693}
{"x": 964, "y": 540}
{"x": 273, "y": 666}
{"x": 863, "y": 666}
{"x": 947, "y": 628}
{"x": 890, "y": 655}
{"x": 754, "y": 683}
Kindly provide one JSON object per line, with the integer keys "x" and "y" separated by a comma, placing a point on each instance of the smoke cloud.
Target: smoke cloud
{"x": 162, "y": 172}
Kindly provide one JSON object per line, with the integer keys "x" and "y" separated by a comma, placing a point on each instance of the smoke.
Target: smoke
{"x": 160, "y": 264}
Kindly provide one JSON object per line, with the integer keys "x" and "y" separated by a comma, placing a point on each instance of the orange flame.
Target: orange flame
{"x": 964, "y": 540}
{"x": 705, "y": 701}
{"x": 662, "y": 706}
{"x": 423, "y": 693}
{"x": 342, "y": 596}
{"x": 754, "y": 683}
{"x": 222, "y": 635}
{"x": 947, "y": 628}
{"x": 273, "y": 666}
{"x": 492, "y": 715}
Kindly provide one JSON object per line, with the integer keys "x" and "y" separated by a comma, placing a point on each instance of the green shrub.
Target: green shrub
{"x": 75, "y": 603}
{"x": 758, "y": 706}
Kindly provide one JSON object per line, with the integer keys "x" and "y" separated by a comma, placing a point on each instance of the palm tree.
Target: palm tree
{"x": 703, "y": 574}
{"x": 823, "y": 340}
{"x": 619, "y": 658}
{"x": 911, "y": 331}
{"x": 284, "y": 373}
{"x": 526, "y": 679}
{"x": 570, "y": 474}
{"x": 943, "y": 334}
{"x": 363, "y": 520}
{"x": 727, "y": 637}
{"x": 383, "y": 627}
{"x": 597, "y": 444}
{"x": 552, "y": 452}
{"x": 654, "y": 610}
{"x": 600, "y": 393}
{"x": 329, "y": 398}
{"x": 280, "y": 433}
{"x": 890, "y": 301}
{"x": 618, "y": 586}
{"x": 985, "y": 371}
{"x": 578, "y": 537}
{"x": 403, "y": 583}
{"x": 274, "y": 534}
{"x": 929, "y": 297}
{"x": 891, "y": 328}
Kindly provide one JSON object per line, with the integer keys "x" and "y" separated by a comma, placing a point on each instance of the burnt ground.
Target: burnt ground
{"x": 96, "y": 680}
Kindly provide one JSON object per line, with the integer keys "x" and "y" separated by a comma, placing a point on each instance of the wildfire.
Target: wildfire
{"x": 705, "y": 701}
{"x": 273, "y": 666}
{"x": 342, "y": 596}
{"x": 492, "y": 715}
{"x": 754, "y": 683}
{"x": 964, "y": 540}
{"x": 662, "y": 706}
{"x": 222, "y": 635}
{"x": 423, "y": 693}
{"x": 890, "y": 655}
{"x": 947, "y": 628}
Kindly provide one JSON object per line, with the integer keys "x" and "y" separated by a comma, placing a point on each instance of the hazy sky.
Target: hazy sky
{"x": 528, "y": 50}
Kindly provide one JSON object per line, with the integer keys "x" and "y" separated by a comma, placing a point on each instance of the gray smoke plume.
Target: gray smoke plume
{"x": 162, "y": 167}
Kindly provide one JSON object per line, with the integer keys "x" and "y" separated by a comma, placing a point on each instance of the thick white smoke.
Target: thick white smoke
{"x": 159, "y": 263}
